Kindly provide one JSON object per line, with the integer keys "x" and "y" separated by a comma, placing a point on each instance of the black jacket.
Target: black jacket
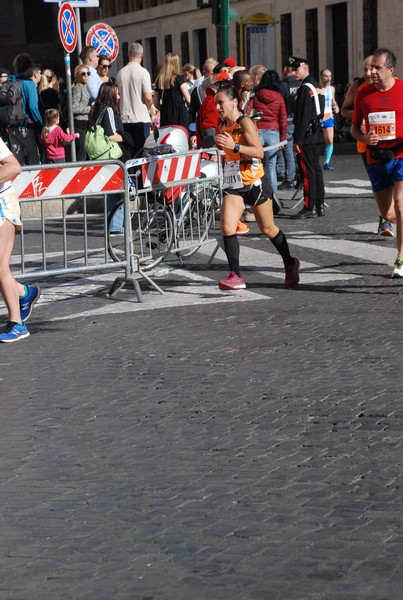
{"x": 305, "y": 114}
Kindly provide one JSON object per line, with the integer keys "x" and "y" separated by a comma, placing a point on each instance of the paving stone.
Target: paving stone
{"x": 243, "y": 451}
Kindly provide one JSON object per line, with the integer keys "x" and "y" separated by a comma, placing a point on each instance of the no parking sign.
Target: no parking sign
{"x": 67, "y": 24}
{"x": 104, "y": 39}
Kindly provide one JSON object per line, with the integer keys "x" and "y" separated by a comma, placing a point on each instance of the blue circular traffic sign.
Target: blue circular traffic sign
{"x": 67, "y": 24}
{"x": 104, "y": 39}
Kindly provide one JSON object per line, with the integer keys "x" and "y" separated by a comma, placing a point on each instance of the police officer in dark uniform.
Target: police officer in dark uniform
{"x": 308, "y": 137}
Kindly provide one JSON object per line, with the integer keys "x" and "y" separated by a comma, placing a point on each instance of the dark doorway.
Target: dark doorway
{"x": 311, "y": 32}
{"x": 340, "y": 42}
{"x": 200, "y": 47}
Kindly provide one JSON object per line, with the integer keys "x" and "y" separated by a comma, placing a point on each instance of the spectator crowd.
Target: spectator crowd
{"x": 271, "y": 130}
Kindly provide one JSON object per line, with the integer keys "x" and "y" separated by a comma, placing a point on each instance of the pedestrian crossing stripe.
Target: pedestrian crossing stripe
{"x": 183, "y": 287}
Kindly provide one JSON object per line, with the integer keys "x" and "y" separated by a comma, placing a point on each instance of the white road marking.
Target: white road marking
{"x": 352, "y": 187}
{"x": 271, "y": 265}
{"x": 201, "y": 290}
{"x": 188, "y": 288}
{"x": 371, "y": 227}
{"x": 362, "y": 250}
{"x": 361, "y": 183}
{"x": 347, "y": 191}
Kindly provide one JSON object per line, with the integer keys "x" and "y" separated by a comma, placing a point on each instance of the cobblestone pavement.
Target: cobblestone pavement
{"x": 237, "y": 449}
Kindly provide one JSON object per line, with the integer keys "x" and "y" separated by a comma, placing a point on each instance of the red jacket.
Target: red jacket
{"x": 207, "y": 117}
{"x": 274, "y": 113}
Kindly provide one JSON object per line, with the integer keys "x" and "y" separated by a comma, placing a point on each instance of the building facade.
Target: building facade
{"x": 332, "y": 34}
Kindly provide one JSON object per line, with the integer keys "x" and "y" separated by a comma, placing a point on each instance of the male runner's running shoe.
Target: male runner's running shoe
{"x": 385, "y": 228}
{"x": 292, "y": 275}
{"x": 27, "y": 302}
{"x": 328, "y": 167}
{"x": 398, "y": 268}
{"x": 233, "y": 282}
{"x": 13, "y": 332}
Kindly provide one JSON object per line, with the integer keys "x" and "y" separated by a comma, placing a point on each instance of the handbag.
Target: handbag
{"x": 97, "y": 145}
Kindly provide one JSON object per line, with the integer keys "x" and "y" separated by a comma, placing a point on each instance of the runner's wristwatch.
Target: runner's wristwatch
{"x": 236, "y": 148}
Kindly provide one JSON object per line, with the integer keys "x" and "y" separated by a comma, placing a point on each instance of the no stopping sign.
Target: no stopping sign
{"x": 104, "y": 39}
{"x": 67, "y": 25}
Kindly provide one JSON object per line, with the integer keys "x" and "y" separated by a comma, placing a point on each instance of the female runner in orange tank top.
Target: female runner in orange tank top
{"x": 238, "y": 137}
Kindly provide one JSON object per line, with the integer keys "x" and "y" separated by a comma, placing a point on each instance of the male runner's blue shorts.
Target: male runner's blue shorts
{"x": 383, "y": 175}
{"x": 328, "y": 122}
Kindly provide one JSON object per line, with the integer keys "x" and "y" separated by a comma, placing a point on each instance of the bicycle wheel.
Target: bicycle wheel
{"x": 152, "y": 232}
{"x": 195, "y": 225}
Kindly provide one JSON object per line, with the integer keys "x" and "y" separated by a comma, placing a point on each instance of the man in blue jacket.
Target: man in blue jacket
{"x": 23, "y": 137}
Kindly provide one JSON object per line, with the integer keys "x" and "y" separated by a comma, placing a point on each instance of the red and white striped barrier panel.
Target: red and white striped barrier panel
{"x": 167, "y": 168}
{"x": 66, "y": 181}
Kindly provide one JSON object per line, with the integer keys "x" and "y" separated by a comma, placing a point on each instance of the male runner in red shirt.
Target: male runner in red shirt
{"x": 380, "y": 104}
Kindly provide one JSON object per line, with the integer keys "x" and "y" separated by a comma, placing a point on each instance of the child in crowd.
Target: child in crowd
{"x": 55, "y": 138}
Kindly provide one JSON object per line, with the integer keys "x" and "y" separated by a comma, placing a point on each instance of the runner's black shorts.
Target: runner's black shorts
{"x": 252, "y": 195}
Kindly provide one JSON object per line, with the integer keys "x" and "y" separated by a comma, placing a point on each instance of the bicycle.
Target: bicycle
{"x": 162, "y": 223}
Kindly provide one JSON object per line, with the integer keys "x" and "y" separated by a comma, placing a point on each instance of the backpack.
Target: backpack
{"x": 11, "y": 112}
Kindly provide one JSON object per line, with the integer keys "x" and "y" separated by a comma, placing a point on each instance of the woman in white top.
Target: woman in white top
{"x": 190, "y": 75}
{"x": 331, "y": 108}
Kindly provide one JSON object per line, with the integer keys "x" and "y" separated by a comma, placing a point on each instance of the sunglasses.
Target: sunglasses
{"x": 105, "y": 66}
{"x": 85, "y": 74}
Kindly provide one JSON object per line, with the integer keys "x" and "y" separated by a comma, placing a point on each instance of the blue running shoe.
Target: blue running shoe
{"x": 27, "y": 302}
{"x": 385, "y": 228}
{"x": 13, "y": 332}
{"x": 328, "y": 167}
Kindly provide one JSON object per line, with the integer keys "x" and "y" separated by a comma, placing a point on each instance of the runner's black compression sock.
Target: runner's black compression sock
{"x": 231, "y": 247}
{"x": 281, "y": 245}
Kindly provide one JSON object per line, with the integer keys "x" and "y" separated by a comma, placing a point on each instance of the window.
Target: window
{"x": 286, "y": 37}
{"x": 370, "y": 25}
{"x": 37, "y": 16}
{"x": 200, "y": 46}
{"x": 123, "y": 6}
{"x": 185, "y": 47}
{"x": 151, "y": 54}
{"x": 124, "y": 53}
{"x": 340, "y": 42}
{"x": 168, "y": 43}
{"x": 311, "y": 32}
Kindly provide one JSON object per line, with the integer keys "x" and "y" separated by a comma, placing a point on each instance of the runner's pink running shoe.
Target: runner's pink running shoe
{"x": 292, "y": 275}
{"x": 233, "y": 282}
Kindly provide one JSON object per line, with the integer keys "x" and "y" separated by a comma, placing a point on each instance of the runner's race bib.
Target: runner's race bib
{"x": 232, "y": 175}
{"x": 383, "y": 124}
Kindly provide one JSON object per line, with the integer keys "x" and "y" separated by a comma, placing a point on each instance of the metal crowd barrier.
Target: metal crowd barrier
{"x": 174, "y": 202}
{"x": 169, "y": 205}
{"x": 60, "y": 233}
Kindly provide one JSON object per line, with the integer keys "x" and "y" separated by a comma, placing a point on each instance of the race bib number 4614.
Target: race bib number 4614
{"x": 383, "y": 124}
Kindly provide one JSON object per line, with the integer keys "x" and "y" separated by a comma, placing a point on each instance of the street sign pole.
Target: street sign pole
{"x": 224, "y": 26}
{"x": 67, "y": 24}
{"x": 79, "y": 41}
{"x": 67, "y": 65}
